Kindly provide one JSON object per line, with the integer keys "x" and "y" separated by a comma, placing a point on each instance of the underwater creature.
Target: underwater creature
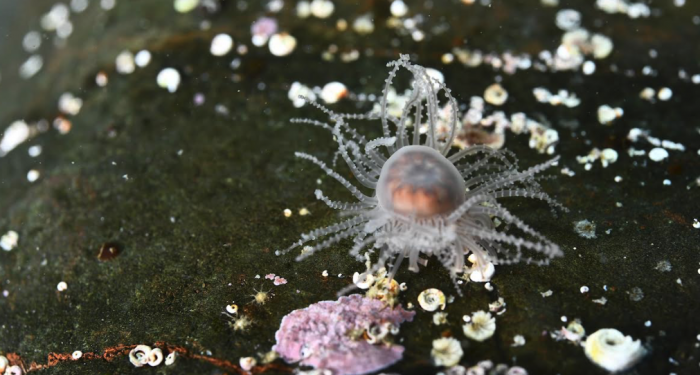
{"x": 424, "y": 201}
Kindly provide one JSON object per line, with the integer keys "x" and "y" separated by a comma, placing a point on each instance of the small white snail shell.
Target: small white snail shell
{"x": 431, "y": 299}
{"x": 139, "y": 355}
{"x": 613, "y": 351}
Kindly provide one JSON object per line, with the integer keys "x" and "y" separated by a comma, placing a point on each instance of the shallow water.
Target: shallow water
{"x": 193, "y": 195}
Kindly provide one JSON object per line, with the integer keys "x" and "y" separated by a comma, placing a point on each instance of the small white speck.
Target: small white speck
{"x": 108, "y": 4}
{"x": 588, "y": 68}
{"x": 584, "y": 289}
{"x": 658, "y": 154}
{"x": 169, "y": 79}
{"x": 5, "y": 293}
{"x": 618, "y": 179}
{"x": 9, "y": 240}
{"x": 221, "y": 45}
{"x": 184, "y": 6}
{"x": 324, "y": 273}
{"x": 518, "y": 340}
{"x": 340, "y": 275}
{"x": 77, "y": 354}
{"x": 667, "y": 182}
{"x": 696, "y": 224}
{"x": 488, "y": 287}
{"x": 31, "y": 67}
{"x": 34, "y": 151}
{"x": 172, "y": 219}
{"x": 398, "y": 8}
{"x": 62, "y": 286}
{"x": 142, "y": 58}
{"x": 647, "y": 323}
{"x": 31, "y": 41}
{"x": 125, "y": 63}
{"x": 564, "y": 318}
{"x": 287, "y": 212}
{"x": 33, "y": 175}
{"x": 664, "y": 94}
{"x": 333, "y": 91}
{"x": 546, "y": 294}
{"x": 282, "y": 44}
{"x": 101, "y": 79}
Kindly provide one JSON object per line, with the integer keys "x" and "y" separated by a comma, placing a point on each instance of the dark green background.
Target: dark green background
{"x": 237, "y": 173}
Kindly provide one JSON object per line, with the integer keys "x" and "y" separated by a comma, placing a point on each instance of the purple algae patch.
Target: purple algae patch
{"x": 327, "y": 335}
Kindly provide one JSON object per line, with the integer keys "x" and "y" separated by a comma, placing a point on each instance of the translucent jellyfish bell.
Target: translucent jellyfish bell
{"x": 419, "y": 181}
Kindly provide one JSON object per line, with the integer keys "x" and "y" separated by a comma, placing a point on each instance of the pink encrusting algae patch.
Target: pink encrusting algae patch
{"x": 331, "y": 335}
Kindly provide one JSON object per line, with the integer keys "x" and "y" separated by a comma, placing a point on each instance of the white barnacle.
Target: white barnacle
{"x": 613, "y": 351}
{"x": 480, "y": 327}
{"x": 439, "y": 318}
{"x": 446, "y": 352}
{"x": 169, "y": 79}
{"x": 427, "y": 200}
{"x": 139, "y": 355}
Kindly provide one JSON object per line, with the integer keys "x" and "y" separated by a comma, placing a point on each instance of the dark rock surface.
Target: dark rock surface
{"x": 193, "y": 197}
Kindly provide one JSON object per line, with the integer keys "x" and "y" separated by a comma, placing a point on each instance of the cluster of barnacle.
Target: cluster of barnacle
{"x": 425, "y": 202}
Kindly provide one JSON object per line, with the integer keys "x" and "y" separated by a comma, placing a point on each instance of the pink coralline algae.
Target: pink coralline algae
{"x": 336, "y": 335}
